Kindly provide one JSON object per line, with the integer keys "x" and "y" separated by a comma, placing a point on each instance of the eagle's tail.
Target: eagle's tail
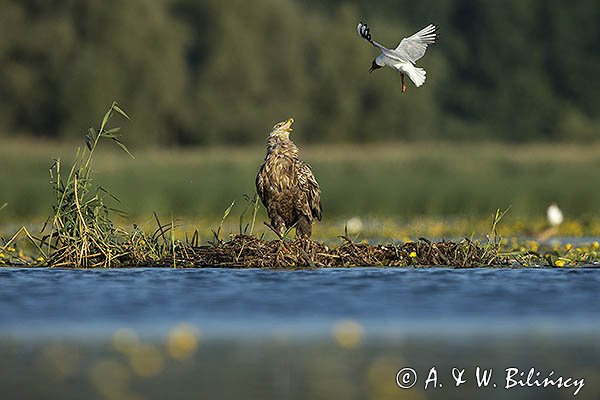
{"x": 416, "y": 74}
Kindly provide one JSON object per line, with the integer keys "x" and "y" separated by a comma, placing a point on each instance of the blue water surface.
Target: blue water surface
{"x": 38, "y": 302}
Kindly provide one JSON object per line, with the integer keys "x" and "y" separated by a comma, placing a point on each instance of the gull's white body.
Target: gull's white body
{"x": 404, "y": 57}
{"x": 415, "y": 74}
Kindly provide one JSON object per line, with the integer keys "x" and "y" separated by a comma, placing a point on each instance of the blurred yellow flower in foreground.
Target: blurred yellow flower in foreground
{"x": 182, "y": 341}
{"x": 111, "y": 379}
{"x": 559, "y": 263}
{"x": 412, "y": 254}
{"x": 568, "y": 247}
{"x": 595, "y": 245}
{"x": 125, "y": 340}
{"x": 348, "y": 334}
{"x": 146, "y": 360}
{"x": 378, "y": 380}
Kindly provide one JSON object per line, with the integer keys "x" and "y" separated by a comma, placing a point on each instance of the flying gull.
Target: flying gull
{"x": 403, "y": 57}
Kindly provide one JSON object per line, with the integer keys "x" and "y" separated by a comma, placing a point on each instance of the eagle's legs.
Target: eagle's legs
{"x": 279, "y": 225}
{"x": 271, "y": 227}
{"x": 304, "y": 228}
{"x": 403, "y": 84}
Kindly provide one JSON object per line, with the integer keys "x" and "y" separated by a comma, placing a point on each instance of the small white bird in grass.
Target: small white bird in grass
{"x": 554, "y": 215}
{"x": 555, "y": 218}
{"x": 403, "y": 57}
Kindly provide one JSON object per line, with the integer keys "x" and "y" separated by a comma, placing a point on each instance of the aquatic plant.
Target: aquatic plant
{"x": 80, "y": 229}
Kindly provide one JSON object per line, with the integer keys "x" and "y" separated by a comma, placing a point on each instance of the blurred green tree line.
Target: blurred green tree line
{"x": 211, "y": 72}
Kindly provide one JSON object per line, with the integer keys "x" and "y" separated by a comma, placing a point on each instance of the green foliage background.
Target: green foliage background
{"x": 212, "y": 72}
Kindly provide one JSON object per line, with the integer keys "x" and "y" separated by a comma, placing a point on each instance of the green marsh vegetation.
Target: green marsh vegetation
{"x": 434, "y": 189}
{"x": 81, "y": 232}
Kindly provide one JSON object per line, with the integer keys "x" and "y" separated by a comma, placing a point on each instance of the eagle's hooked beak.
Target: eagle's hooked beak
{"x": 288, "y": 124}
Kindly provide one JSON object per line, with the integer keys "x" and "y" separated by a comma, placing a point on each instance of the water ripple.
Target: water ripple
{"x": 57, "y": 300}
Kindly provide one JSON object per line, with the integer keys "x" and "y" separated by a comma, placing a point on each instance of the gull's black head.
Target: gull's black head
{"x": 374, "y": 66}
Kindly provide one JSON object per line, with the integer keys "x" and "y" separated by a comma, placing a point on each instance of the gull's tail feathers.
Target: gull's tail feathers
{"x": 417, "y": 75}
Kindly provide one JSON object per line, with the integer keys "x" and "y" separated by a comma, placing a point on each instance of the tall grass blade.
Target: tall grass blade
{"x": 225, "y": 215}
{"x": 118, "y": 109}
{"x": 123, "y": 147}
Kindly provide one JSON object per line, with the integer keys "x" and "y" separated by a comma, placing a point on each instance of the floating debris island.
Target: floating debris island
{"x": 243, "y": 251}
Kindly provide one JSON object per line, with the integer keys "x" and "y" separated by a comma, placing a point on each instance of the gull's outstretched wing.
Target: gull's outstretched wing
{"x": 363, "y": 32}
{"x": 413, "y": 47}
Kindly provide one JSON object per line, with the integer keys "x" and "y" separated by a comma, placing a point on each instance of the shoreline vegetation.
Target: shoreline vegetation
{"x": 81, "y": 233}
{"x": 243, "y": 251}
{"x": 396, "y": 182}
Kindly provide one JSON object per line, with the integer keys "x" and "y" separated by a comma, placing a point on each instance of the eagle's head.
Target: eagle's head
{"x": 282, "y": 129}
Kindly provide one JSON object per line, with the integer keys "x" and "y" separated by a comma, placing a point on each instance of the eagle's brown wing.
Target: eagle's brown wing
{"x": 309, "y": 185}
{"x": 261, "y": 185}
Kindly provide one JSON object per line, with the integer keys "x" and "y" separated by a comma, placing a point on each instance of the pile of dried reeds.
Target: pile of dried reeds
{"x": 250, "y": 252}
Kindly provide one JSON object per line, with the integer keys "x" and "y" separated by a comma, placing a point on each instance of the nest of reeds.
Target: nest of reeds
{"x": 243, "y": 251}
